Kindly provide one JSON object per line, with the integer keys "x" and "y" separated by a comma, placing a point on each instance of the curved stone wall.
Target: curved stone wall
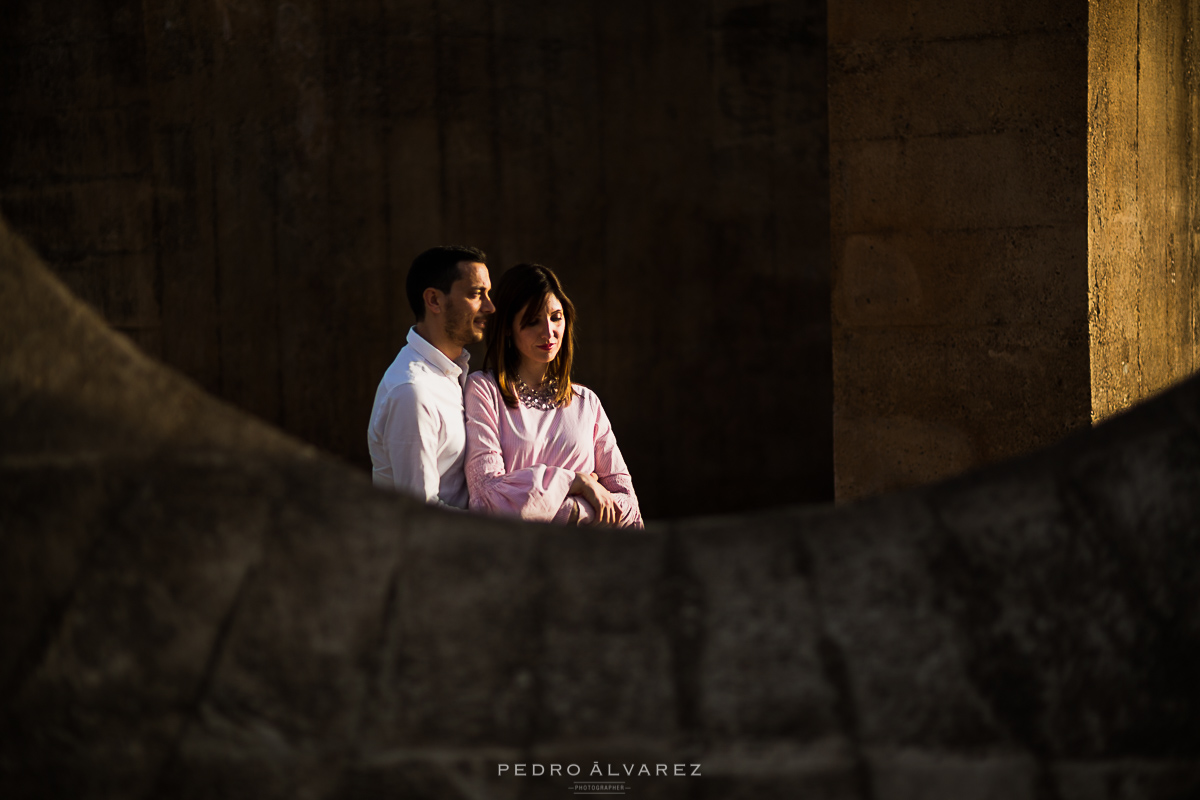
{"x": 197, "y": 606}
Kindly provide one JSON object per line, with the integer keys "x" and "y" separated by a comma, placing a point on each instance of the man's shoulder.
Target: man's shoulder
{"x": 423, "y": 388}
{"x": 409, "y": 368}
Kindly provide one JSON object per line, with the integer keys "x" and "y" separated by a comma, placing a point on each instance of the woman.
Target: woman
{"x": 539, "y": 446}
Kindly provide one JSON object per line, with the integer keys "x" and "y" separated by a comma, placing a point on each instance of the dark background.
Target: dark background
{"x": 240, "y": 187}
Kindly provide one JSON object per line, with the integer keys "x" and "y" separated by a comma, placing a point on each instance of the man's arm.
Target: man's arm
{"x": 411, "y": 431}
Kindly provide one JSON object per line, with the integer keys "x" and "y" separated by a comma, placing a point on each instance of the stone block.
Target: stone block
{"x": 296, "y": 664}
{"x": 1185, "y": 403}
{"x": 86, "y": 776}
{"x": 603, "y": 684}
{"x": 120, "y": 665}
{"x": 203, "y": 766}
{"x": 753, "y": 631}
{"x": 460, "y": 637}
{"x": 1143, "y": 486}
{"x": 836, "y": 785}
{"x": 434, "y": 777}
{"x": 826, "y": 768}
{"x": 56, "y": 506}
{"x": 1131, "y": 779}
{"x": 609, "y": 668}
{"x": 1127, "y": 483}
{"x": 1049, "y": 612}
{"x": 896, "y": 655}
{"x": 915, "y": 775}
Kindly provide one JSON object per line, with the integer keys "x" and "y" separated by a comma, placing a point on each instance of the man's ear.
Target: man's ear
{"x": 433, "y": 300}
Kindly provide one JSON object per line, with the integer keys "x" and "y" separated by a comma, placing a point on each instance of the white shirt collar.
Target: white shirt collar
{"x": 451, "y": 369}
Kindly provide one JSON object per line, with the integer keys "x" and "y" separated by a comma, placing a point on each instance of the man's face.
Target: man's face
{"x": 468, "y": 304}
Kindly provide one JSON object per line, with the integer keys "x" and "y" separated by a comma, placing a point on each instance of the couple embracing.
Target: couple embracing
{"x": 518, "y": 438}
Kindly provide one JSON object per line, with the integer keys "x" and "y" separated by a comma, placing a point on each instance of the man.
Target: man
{"x": 417, "y": 435}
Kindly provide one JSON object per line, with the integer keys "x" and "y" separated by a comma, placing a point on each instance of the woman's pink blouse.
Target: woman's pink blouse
{"x": 521, "y": 461}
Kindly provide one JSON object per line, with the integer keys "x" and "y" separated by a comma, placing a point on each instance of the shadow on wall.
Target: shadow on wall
{"x": 197, "y": 605}
{"x": 241, "y": 186}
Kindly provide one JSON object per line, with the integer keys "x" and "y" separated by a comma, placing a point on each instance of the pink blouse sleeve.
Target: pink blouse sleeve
{"x": 613, "y": 474}
{"x": 535, "y": 493}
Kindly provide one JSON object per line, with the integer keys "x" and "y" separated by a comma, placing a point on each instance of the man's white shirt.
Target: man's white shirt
{"x": 417, "y": 435}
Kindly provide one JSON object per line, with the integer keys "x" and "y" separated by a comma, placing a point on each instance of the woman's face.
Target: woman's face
{"x": 539, "y": 341}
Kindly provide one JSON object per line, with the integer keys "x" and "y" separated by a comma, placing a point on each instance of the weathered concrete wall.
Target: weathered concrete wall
{"x": 958, "y": 174}
{"x": 1144, "y": 287}
{"x": 240, "y": 187}
{"x": 210, "y": 610}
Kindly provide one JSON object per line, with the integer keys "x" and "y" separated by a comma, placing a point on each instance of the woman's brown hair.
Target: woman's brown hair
{"x": 527, "y": 286}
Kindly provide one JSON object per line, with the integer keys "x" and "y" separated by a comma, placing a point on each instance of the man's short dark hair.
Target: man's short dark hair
{"x": 436, "y": 267}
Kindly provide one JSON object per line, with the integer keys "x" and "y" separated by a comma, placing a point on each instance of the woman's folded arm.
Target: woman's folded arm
{"x": 539, "y": 492}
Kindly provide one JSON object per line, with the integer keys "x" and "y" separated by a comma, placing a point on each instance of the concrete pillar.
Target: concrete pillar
{"x": 1144, "y": 96}
{"x": 958, "y": 148}
{"x": 964, "y": 327}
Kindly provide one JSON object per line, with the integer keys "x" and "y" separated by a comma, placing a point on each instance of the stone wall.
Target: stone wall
{"x": 959, "y": 213}
{"x": 1144, "y": 288}
{"x": 193, "y": 605}
{"x": 240, "y": 187}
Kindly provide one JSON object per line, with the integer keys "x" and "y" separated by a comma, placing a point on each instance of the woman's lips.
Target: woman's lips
{"x": 547, "y": 347}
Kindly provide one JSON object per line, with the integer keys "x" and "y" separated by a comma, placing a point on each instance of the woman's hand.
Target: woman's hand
{"x": 587, "y": 486}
